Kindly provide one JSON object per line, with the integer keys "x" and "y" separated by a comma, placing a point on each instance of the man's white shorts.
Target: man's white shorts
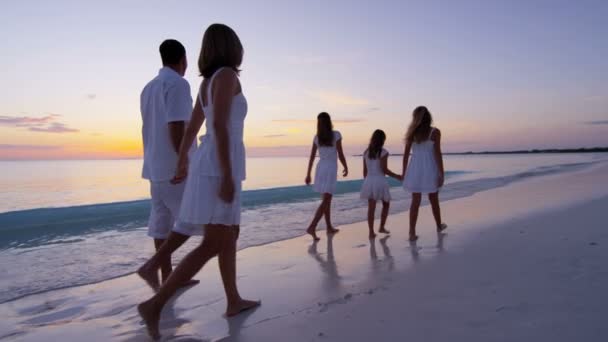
{"x": 164, "y": 211}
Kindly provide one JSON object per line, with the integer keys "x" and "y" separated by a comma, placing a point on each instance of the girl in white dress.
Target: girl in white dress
{"x": 424, "y": 173}
{"x": 375, "y": 185}
{"x": 329, "y": 144}
{"x": 212, "y": 197}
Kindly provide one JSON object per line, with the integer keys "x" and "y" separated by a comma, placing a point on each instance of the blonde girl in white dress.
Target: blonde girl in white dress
{"x": 329, "y": 144}
{"x": 423, "y": 173}
{"x": 212, "y": 197}
{"x": 375, "y": 185}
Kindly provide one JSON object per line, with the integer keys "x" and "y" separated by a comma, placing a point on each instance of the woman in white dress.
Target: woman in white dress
{"x": 329, "y": 144}
{"x": 375, "y": 185}
{"x": 424, "y": 173}
{"x": 212, "y": 197}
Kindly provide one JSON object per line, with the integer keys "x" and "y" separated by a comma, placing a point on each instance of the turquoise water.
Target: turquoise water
{"x": 68, "y": 223}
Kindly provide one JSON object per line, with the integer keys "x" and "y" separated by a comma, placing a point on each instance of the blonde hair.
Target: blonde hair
{"x": 420, "y": 127}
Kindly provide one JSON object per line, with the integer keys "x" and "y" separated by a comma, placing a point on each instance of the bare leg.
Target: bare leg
{"x": 165, "y": 262}
{"x": 227, "y": 263}
{"x": 371, "y": 212}
{"x": 434, "y": 199}
{"x": 327, "y": 214}
{"x": 210, "y": 246}
{"x": 416, "y": 198}
{"x": 315, "y": 220}
{"x": 149, "y": 271}
{"x": 385, "y": 207}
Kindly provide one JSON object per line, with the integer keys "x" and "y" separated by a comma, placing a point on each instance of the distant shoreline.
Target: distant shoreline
{"x": 544, "y": 151}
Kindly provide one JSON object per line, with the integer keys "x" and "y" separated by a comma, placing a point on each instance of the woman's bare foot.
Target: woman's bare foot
{"x": 332, "y": 230}
{"x": 151, "y": 317}
{"x": 312, "y": 233}
{"x": 384, "y": 231}
{"x": 242, "y": 305}
{"x": 150, "y": 277}
{"x": 413, "y": 237}
{"x": 442, "y": 227}
{"x": 372, "y": 235}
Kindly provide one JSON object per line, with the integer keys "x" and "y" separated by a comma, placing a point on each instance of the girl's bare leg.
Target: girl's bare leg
{"x": 416, "y": 198}
{"x": 211, "y": 245}
{"x": 434, "y": 199}
{"x": 327, "y": 214}
{"x": 371, "y": 212}
{"x": 315, "y": 220}
{"x": 385, "y": 207}
{"x": 227, "y": 263}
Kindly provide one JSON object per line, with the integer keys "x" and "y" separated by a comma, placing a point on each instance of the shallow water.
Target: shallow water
{"x": 68, "y": 223}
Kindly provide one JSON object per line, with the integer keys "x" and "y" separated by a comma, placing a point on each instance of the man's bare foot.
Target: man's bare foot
{"x": 312, "y": 233}
{"x": 442, "y": 227}
{"x": 332, "y": 230}
{"x": 191, "y": 282}
{"x": 150, "y": 277}
{"x": 242, "y": 305}
{"x": 151, "y": 317}
{"x": 413, "y": 237}
{"x": 372, "y": 235}
{"x": 384, "y": 231}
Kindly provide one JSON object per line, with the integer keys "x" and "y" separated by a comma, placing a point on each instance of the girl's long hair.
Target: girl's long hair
{"x": 420, "y": 128}
{"x": 374, "y": 150}
{"x": 325, "y": 130}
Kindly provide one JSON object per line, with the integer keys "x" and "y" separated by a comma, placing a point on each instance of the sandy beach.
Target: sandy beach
{"x": 524, "y": 262}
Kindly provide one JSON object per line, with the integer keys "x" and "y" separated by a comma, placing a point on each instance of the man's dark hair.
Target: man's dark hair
{"x": 171, "y": 52}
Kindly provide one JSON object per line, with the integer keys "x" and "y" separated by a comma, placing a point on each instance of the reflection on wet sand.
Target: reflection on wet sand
{"x": 373, "y": 254}
{"x": 328, "y": 265}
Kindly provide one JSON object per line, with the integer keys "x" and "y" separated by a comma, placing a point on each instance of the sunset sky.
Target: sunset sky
{"x": 497, "y": 75}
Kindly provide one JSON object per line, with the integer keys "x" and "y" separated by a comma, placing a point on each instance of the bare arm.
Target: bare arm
{"x": 364, "y": 167}
{"x": 198, "y": 117}
{"x": 384, "y": 163}
{"x": 406, "y": 157}
{"x": 311, "y": 160}
{"x": 439, "y": 156}
{"x": 341, "y": 157}
{"x": 226, "y": 85}
{"x": 176, "y": 133}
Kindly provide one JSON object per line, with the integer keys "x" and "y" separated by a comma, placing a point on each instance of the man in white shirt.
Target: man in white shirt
{"x": 166, "y": 108}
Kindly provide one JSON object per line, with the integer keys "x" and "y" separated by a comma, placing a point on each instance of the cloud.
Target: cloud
{"x": 26, "y": 121}
{"x": 29, "y": 147}
{"x": 91, "y": 96}
{"x": 274, "y": 135}
{"x": 55, "y": 127}
{"x": 298, "y": 121}
{"x": 373, "y": 109}
{"x": 599, "y": 122}
{"x": 47, "y": 123}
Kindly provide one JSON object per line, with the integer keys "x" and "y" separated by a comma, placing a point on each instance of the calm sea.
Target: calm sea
{"x": 67, "y": 223}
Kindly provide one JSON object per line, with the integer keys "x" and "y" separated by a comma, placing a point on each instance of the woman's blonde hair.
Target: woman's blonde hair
{"x": 420, "y": 127}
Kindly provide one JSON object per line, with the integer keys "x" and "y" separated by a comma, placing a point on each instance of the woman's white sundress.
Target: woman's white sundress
{"x": 375, "y": 185}
{"x": 201, "y": 203}
{"x": 422, "y": 174}
{"x": 326, "y": 174}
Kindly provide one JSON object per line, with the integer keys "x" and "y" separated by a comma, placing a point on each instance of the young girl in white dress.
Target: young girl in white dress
{"x": 329, "y": 144}
{"x": 375, "y": 185}
{"x": 423, "y": 173}
{"x": 212, "y": 197}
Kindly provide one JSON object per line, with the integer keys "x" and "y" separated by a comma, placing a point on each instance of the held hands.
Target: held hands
{"x": 345, "y": 172}
{"x": 307, "y": 180}
{"x": 226, "y": 192}
{"x": 181, "y": 171}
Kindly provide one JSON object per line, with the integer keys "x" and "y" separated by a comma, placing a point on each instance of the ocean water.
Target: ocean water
{"x": 68, "y": 223}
